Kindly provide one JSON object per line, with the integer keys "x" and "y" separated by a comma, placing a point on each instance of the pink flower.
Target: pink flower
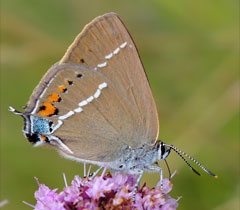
{"x": 106, "y": 192}
{"x": 47, "y": 199}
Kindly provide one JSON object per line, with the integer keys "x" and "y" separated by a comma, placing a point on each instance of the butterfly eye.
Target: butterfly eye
{"x": 82, "y": 60}
{"x": 163, "y": 150}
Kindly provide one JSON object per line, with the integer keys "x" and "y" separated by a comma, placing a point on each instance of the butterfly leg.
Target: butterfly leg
{"x": 86, "y": 173}
{"x": 89, "y": 176}
{"x": 136, "y": 185}
{"x": 95, "y": 173}
{"x": 159, "y": 170}
{"x": 161, "y": 178}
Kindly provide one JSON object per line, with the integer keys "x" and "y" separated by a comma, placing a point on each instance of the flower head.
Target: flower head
{"x": 110, "y": 192}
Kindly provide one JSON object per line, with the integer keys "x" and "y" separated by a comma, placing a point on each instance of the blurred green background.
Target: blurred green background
{"x": 190, "y": 53}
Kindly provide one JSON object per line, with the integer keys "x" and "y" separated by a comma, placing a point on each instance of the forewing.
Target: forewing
{"x": 106, "y": 46}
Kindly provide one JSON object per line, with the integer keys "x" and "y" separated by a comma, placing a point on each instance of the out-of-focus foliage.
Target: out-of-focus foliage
{"x": 190, "y": 52}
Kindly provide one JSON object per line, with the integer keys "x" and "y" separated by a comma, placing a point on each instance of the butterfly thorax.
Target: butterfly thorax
{"x": 136, "y": 160}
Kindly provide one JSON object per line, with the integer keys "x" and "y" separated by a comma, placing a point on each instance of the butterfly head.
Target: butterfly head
{"x": 163, "y": 150}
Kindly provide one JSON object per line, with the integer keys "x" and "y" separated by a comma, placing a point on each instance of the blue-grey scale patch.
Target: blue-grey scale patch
{"x": 40, "y": 125}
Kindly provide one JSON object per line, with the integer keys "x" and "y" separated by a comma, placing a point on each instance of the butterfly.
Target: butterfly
{"x": 96, "y": 106}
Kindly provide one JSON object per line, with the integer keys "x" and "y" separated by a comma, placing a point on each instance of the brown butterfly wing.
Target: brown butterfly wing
{"x": 105, "y": 126}
{"x": 106, "y": 46}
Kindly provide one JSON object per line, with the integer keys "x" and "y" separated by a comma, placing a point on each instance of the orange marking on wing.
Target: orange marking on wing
{"x": 62, "y": 88}
{"x": 47, "y": 109}
{"x": 43, "y": 138}
{"x": 69, "y": 82}
{"x": 54, "y": 97}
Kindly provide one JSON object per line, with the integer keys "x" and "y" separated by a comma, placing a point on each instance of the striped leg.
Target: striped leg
{"x": 137, "y": 185}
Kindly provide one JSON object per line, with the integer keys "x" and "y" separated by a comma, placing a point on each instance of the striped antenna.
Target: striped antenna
{"x": 179, "y": 152}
